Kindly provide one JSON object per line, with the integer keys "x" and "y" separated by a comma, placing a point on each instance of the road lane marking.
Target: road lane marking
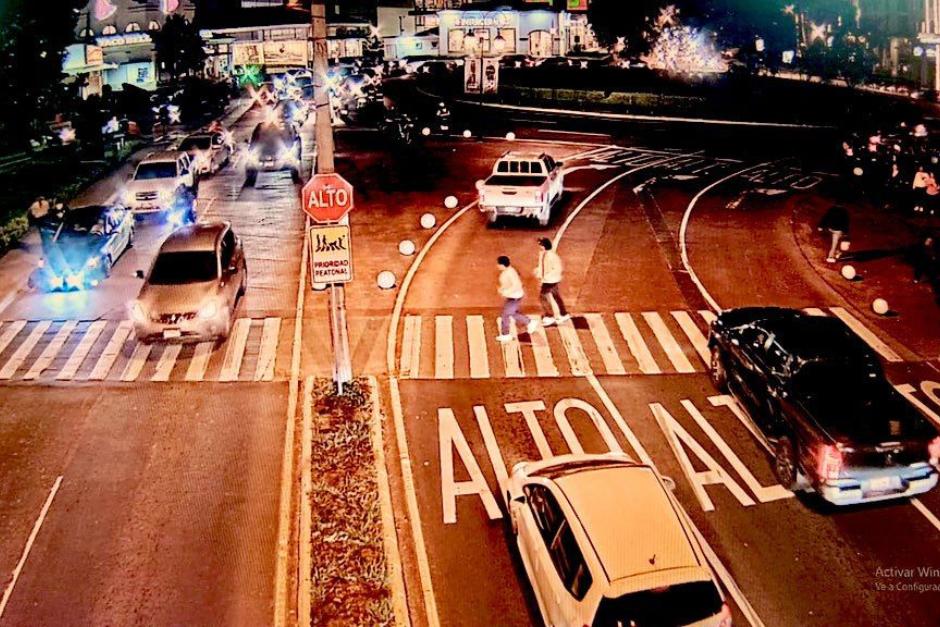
{"x": 544, "y": 365}
{"x": 270, "y": 332}
{"x": 7, "y": 300}
{"x": 708, "y": 316}
{"x": 411, "y": 501}
{"x": 865, "y": 333}
{"x": 476, "y": 343}
{"x": 492, "y": 450}
{"x": 815, "y": 311}
{"x": 564, "y": 425}
{"x": 528, "y": 409}
{"x": 443, "y": 347}
{"x": 411, "y": 348}
{"x": 111, "y": 351}
{"x": 684, "y": 227}
{"x": 513, "y": 365}
{"x": 199, "y": 362}
{"x": 605, "y": 344}
{"x": 136, "y": 363}
{"x": 166, "y": 362}
{"x": 77, "y": 358}
{"x": 8, "y": 592}
{"x": 305, "y": 526}
{"x": 929, "y": 515}
{"x": 10, "y": 331}
{"x": 24, "y": 349}
{"x": 636, "y": 344}
{"x": 577, "y": 359}
{"x": 451, "y": 438}
{"x": 50, "y": 352}
{"x": 622, "y": 425}
{"x": 694, "y": 334}
{"x": 665, "y": 338}
{"x": 235, "y": 350}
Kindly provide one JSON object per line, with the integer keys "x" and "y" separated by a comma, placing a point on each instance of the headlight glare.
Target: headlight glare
{"x": 209, "y": 310}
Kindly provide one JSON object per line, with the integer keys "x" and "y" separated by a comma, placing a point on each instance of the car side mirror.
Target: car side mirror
{"x": 670, "y": 483}
{"x": 139, "y": 274}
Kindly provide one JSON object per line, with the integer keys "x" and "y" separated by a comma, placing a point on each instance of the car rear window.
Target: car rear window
{"x": 681, "y": 604}
{"x": 184, "y": 267}
{"x": 155, "y": 170}
{"x": 520, "y": 180}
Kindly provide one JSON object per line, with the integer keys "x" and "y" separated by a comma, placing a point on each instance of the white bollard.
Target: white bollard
{"x": 848, "y": 272}
{"x": 428, "y": 221}
{"x": 406, "y": 247}
{"x": 510, "y": 136}
{"x": 386, "y": 279}
{"x": 425, "y": 131}
{"x": 880, "y": 306}
{"x": 467, "y": 134}
{"x": 451, "y": 202}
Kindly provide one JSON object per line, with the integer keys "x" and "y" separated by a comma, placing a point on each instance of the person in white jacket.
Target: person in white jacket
{"x": 549, "y": 273}
{"x": 510, "y": 288}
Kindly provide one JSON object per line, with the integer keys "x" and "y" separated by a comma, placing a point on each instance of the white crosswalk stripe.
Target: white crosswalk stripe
{"x": 47, "y": 350}
{"x": 611, "y": 343}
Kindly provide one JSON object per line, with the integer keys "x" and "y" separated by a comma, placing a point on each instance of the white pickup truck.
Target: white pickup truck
{"x": 522, "y": 184}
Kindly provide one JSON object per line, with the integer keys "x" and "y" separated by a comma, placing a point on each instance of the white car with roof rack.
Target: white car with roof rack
{"x": 158, "y": 182}
{"x": 605, "y": 543}
{"x": 522, "y": 184}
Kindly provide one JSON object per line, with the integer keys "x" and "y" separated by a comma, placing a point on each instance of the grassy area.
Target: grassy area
{"x": 349, "y": 571}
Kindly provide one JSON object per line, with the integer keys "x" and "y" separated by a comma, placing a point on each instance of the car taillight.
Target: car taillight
{"x": 933, "y": 450}
{"x": 724, "y": 618}
{"x": 829, "y": 462}
{"x": 538, "y": 197}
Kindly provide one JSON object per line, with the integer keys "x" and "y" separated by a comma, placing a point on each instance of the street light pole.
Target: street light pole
{"x": 339, "y": 334}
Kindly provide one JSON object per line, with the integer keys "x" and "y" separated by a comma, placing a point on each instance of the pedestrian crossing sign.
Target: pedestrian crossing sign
{"x": 331, "y": 254}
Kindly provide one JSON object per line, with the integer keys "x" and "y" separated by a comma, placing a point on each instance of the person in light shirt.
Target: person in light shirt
{"x": 510, "y": 288}
{"x": 549, "y": 273}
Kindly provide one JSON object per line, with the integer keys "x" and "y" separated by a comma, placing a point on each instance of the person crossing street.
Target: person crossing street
{"x": 510, "y": 288}
{"x": 549, "y": 272}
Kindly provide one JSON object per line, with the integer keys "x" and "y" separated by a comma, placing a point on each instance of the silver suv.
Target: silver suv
{"x": 159, "y": 181}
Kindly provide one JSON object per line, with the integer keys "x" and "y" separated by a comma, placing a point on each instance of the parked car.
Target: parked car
{"x": 818, "y": 393}
{"x": 208, "y": 151}
{"x": 274, "y": 147}
{"x": 159, "y": 181}
{"x": 193, "y": 288}
{"x": 522, "y": 184}
{"x": 81, "y": 250}
{"x": 604, "y": 543}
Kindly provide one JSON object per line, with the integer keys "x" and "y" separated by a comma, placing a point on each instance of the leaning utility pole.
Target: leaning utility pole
{"x": 339, "y": 334}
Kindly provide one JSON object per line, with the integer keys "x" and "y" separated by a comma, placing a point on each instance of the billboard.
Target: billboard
{"x": 285, "y": 53}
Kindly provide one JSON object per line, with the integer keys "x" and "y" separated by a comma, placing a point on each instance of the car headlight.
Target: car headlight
{"x": 55, "y": 282}
{"x": 137, "y": 311}
{"x": 129, "y": 197}
{"x": 75, "y": 280}
{"x": 165, "y": 195}
{"x": 93, "y": 262}
{"x": 209, "y": 310}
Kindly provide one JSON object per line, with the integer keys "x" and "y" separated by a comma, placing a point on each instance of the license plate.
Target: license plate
{"x": 172, "y": 334}
{"x": 884, "y": 484}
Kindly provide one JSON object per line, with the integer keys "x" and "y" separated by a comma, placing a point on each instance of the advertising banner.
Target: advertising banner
{"x": 285, "y": 53}
{"x": 490, "y": 75}
{"x": 247, "y": 54}
{"x": 472, "y": 69}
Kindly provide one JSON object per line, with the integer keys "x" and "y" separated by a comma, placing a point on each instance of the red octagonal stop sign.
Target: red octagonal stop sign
{"x": 327, "y": 197}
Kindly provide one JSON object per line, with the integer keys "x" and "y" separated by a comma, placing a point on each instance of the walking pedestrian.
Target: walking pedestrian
{"x": 836, "y": 221}
{"x": 510, "y": 288}
{"x": 38, "y": 210}
{"x": 919, "y": 185}
{"x": 925, "y": 260}
{"x": 549, "y": 272}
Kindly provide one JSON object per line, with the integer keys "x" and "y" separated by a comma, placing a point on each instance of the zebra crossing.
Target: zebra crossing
{"x": 101, "y": 350}
{"x": 447, "y": 347}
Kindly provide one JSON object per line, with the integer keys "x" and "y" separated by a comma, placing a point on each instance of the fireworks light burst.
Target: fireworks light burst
{"x": 682, "y": 49}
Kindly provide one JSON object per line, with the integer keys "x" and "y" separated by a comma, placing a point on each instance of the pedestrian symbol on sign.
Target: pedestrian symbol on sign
{"x": 325, "y": 245}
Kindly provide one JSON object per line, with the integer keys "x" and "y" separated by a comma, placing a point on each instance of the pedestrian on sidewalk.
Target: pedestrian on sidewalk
{"x": 549, "y": 272}
{"x": 925, "y": 260}
{"x": 836, "y": 221}
{"x": 919, "y": 186}
{"x": 510, "y": 288}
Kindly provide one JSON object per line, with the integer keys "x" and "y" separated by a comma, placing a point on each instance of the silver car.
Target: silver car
{"x": 193, "y": 288}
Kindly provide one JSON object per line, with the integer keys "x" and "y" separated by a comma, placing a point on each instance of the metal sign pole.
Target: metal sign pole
{"x": 342, "y": 368}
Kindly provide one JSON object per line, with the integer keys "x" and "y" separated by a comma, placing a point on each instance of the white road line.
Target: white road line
{"x": 270, "y": 332}
{"x": 81, "y": 351}
{"x": 815, "y": 311}
{"x": 50, "y": 352}
{"x": 443, "y": 347}
{"x": 577, "y": 359}
{"x": 8, "y": 591}
{"x": 727, "y": 581}
{"x": 136, "y": 363}
{"x": 111, "y": 351}
{"x": 199, "y": 362}
{"x": 305, "y": 526}
{"x": 513, "y": 365}
{"x": 929, "y": 515}
{"x": 665, "y": 338}
{"x": 694, "y": 334}
{"x": 708, "y": 316}
{"x": 235, "y": 350}
{"x": 476, "y": 342}
{"x": 865, "y": 333}
{"x": 611, "y": 358}
{"x": 23, "y": 350}
{"x": 411, "y": 501}
{"x": 10, "y": 331}
{"x": 7, "y": 300}
{"x": 285, "y": 519}
{"x": 166, "y": 362}
{"x": 492, "y": 450}
{"x": 587, "y": 154}
{"x": 638, "y": 348}
{"x": 684, "y": 228}
{"x": 544, "y": 364}
{"x": 411, "y": 348}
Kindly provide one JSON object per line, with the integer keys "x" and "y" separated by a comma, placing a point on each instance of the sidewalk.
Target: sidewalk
{"x": 881, "y": 240}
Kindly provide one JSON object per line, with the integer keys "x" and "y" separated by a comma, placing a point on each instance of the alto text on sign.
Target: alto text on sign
{"x": 331, "y": 254}
{"x": 327, "y": 197}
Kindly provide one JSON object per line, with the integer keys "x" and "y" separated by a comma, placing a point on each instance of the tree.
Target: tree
{"x": 179, "y": 48}
{"x": 632, "y": 20}
{"x": 33, "y": 39}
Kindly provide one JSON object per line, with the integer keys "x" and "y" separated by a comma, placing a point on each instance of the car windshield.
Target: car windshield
{"x": 155, "y": 170}
{"x": 184, "y": 267}
{"x": 681, "y": 604}
{"x": 203, "y": 142}
{"x": 84, "y": 220}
